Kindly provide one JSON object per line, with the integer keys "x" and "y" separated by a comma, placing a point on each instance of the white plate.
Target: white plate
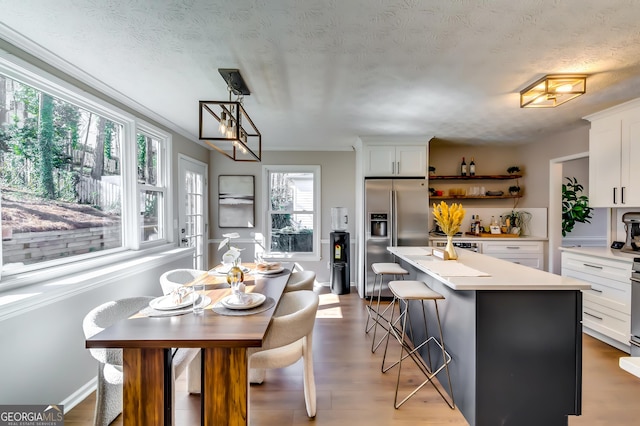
{"x": 222, "y": 270}
{"x": 252, "y": 300}
{"x": 166, "y": 303}
{"x": 271, "y": 271}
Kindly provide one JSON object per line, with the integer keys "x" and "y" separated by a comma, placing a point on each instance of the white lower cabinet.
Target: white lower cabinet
{"x": 606, "y": 308}
{"x": 527, "y": 253}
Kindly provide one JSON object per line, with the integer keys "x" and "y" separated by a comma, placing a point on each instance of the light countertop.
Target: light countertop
{"x": 604, "y": 252}
{"x": 630, "y": 364}
{"x": 503, "y": 275}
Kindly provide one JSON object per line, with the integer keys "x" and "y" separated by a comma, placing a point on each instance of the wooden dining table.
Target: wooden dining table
{"x": 147, "y": 344}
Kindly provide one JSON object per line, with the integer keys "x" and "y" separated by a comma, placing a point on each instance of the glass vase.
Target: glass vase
{"x": 235, "y": 279}
{"x": 450, "y": 248}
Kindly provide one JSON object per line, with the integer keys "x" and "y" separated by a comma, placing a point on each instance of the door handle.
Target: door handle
{"x": 614, "y": 195}
{"x": 622, "y": 195}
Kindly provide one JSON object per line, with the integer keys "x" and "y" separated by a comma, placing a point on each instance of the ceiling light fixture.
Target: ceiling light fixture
{"x": 553, "y": 90}
{"x": 226, "y": 126}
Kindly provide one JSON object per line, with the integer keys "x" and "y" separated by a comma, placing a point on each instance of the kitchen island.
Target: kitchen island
{"x": 514, "y": 336}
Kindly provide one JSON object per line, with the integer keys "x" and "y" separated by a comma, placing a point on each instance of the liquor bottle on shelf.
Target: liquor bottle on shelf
{"x": 472, "y": 167}
{"x": 463, "y": 168}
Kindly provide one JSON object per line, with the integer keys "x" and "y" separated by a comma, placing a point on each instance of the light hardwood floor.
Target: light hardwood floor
{"x": 352, "y": 391}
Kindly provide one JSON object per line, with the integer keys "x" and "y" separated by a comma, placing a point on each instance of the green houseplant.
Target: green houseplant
{"x": 575, "y": 207}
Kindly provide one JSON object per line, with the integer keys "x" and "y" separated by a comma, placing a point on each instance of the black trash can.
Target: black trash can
{"x": 340, "y": 275}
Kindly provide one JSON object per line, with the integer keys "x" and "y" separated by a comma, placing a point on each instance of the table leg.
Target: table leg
{"x": 143, "y": 390}
{"x": 225, "y": 393}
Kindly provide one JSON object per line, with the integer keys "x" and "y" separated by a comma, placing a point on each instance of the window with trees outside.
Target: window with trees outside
{"x": 62, "y": 157}
{"x": 151, "y": 191}
{"x": 293, "y": 208}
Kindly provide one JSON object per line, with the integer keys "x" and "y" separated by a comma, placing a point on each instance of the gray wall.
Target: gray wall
{"x": 532, "y": 158}
{"x": 43, "y": 358}
{"x": 338, "y": 177}
{"x": 535, "y": 157}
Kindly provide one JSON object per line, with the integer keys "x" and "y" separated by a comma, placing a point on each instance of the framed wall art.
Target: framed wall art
{"x": 236, "y": 201}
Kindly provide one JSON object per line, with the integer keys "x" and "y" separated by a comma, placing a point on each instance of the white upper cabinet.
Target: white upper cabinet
{"x": 391, "y": 160}
{"x": 614, "y": 143}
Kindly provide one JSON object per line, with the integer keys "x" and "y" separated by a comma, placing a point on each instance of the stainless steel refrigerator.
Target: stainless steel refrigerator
{"x": 396, "y": 214}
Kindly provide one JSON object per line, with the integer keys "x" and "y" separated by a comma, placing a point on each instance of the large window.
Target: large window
{"x": 63, "y": 158}
{"x": 293, "y": 206}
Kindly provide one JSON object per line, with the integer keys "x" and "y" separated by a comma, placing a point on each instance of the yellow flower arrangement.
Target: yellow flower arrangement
{"x": 449, "y": 218}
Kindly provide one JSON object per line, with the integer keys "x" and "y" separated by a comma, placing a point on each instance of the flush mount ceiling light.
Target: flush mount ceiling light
{"x": 553, "y": 90}
{"x": 226, "y": 126}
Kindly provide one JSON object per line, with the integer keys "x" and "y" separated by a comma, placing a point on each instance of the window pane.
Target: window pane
{"x": 59, "y": 176}
{"x": 295, "y": 236}
{"x": 292, "y": 191}
{"x": 147, "y": 159}
{"x": 292, "y": 217}
{"x": 151, "y": 228}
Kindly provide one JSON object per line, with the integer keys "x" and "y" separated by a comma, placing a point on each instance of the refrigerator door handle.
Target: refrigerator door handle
{"x": 394, "y": 218}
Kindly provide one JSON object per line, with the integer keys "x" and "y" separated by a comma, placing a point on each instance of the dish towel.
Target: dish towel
{"x": 451, "y": 268}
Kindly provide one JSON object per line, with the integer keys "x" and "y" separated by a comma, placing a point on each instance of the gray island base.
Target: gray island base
{"x": 515, "y": 339}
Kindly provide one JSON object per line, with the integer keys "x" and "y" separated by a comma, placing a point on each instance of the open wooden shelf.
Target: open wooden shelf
{"x": 471, "y": 197}
{"x": 477, "y": 177}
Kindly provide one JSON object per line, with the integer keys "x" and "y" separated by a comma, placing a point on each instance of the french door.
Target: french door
{"x": 192, "y": 215}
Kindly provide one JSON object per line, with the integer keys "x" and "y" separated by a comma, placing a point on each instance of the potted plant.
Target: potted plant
{"x": 513, "y": 170}
{"x": 575, "y": 207}
{"x": 514, "y": 190}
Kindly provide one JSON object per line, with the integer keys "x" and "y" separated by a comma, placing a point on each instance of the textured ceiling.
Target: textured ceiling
{"x": 324, "y": 72}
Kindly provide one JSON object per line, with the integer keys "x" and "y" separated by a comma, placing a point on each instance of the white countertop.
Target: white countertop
{"x": 604, "y": 252}
{"x": 630, "y": 364}
{"x": 503, "y": 275}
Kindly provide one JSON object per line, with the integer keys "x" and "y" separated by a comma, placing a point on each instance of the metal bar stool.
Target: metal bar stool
{"x": 405, "y": 291}
{"x": 380, "y": 270}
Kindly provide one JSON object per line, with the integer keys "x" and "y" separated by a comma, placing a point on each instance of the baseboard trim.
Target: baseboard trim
{"x": 606, "y": 339}
{"x": 79, "y": 395}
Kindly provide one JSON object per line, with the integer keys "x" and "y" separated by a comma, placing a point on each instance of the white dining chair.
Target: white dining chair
{"x": 300, "y": 280}
{"x": 175, "y": 278}
{"x": 289, "y": 338}
{"x": 110, "y": 374}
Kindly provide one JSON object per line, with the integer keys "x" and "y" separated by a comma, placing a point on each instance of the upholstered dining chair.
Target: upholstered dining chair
{"x": 300, "y": 280}
{"x": 110, "y": 375}
{"x": 288, "y": 339}
{"x": 177, "y": 277}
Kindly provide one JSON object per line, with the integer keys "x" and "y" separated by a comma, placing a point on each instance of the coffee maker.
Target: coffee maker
{"x": 632, "y": 227}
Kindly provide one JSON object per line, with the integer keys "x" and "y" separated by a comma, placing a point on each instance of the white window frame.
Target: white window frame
{"x": 317, "y": 220}
{"x": 162, "y": 186}
{"x": 26, "y": 73}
